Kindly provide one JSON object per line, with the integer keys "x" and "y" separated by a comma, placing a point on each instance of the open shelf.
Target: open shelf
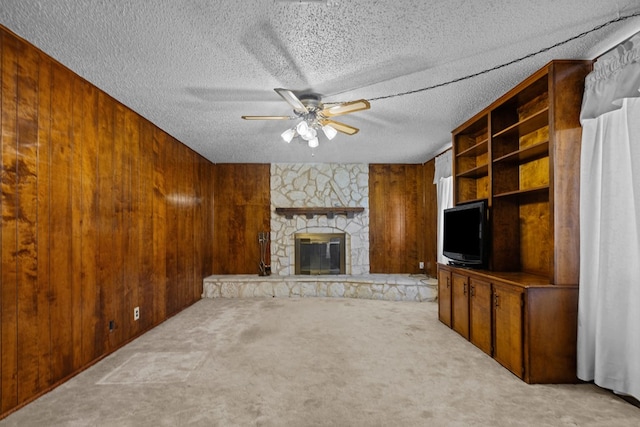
{"x": 526, "y": 125}
{"x": 477, "y": 172}
{"x": 526, "y": 191}
{"x": 480, "y": 148}
{"x": 526, "y": 154}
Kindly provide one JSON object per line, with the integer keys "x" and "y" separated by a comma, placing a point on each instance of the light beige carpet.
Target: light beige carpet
{"x": 315, "y": 361}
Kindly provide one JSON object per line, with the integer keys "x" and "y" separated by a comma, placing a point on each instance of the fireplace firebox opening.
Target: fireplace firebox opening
{"x": 319, "y": 253}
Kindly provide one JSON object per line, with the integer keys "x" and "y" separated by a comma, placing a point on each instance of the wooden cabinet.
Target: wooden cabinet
{"x": 460, "y": 303}
{"x": 480, "y": 314}
{"x": 444, "y": 295}
{"x": 508, "y": 304}
{"x": 522, "y": 154}
{"x": 527, "y": 324}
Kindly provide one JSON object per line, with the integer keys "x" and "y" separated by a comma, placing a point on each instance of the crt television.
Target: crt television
{"x": 466, "y": 234}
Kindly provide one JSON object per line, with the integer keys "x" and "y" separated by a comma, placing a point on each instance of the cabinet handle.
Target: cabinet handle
{"x": 472, "y": 291}
{"x": 447, "y": 282}
{"x": 464, "y": 289}
{"x": 497, "y": 301}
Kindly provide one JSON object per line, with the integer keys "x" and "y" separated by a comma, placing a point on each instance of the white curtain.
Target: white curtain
{"x": 609, "y": 302}
{"x": 444, "y": 185}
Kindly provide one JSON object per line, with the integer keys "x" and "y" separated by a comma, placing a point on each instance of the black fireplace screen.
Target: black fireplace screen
{"x": 319, "y": 253}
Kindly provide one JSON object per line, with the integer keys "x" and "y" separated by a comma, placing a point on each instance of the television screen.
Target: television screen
{"x": 465, "y": 234}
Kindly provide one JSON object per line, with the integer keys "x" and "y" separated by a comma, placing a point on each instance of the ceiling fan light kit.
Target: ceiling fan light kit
{"x": 314, "y": 115}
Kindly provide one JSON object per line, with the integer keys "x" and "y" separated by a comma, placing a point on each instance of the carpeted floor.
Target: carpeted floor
{"x": 312, "y": 361}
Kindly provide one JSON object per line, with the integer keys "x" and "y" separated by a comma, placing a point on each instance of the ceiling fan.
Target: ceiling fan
{"x": 313, "y": 115}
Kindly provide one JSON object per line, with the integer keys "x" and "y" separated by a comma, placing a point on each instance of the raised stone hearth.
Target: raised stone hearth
{"x": 390, "y": 287}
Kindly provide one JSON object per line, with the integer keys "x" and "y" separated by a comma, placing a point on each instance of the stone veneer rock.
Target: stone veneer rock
{"x": 319, "y": 185}
{"x": 389, "y": 287}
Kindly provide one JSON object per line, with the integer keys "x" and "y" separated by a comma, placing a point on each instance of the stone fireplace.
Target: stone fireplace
{"x": 319, "y": 186}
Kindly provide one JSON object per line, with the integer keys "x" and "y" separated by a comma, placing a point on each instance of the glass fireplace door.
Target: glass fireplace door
{"x": 319, "y": 253}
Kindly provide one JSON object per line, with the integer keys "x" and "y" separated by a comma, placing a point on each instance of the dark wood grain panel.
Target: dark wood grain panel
{"x": 27, "y": 238}
{"x": 460, "y": 304}
{"x": 145, "y": 230}
{"x": 171, "y": 172}
{"x": 480, "y": 311}
{"x": 429, "y": 234}
{"x": 118, "y": 224}
{"x": 568, "y": 80}
{"x": 159, "y": 229}
{"x": 131, "y": 279}
{"x": 92, "y": 326}
{"x": 8, "y": 202}
{"x": 61, "y": 227}
{"x": 76, "y": 177}
{"x": 394, "y": 247}
{"x": 396, "y": 203}
{"x": 508, "y": 328}
{"x": 376, "y": 218}
{"x": 242, "y": 209}
{"x": 43, "y": 224}
{"x": 105, "y": 217}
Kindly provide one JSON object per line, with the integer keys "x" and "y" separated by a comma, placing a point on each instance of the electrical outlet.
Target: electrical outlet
{"x": 136, "y": 313}
{"x": 421, "y": 265}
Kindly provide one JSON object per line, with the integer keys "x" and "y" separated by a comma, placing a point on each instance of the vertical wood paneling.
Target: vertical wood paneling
{"x": 429, "y": 235}
{"x": 27, "y": 197}
{"x": 131, "y": 279}
{"x": 101, "y": 212}
{"x": 60, "y": 241}
{"x": 396, "y": 203}
{"x": 171, "y": 249}
{"x": 198, "y": 238}
{"x": 120, "y": 168}
{"x": 395, "y": 246}
{"x": 9, "y": 277}
{"x": 105, "y": 218}
{"x": 242, "y": 209}
{"x": 376, "y": 218}
{"x": 206, "y": 228}
{"x": 76, "y": 177}
{"x": 146, "y": 232}
{"x": 159, "y": 230}
{"x": 92, "y": 327}
{"x": 43, "y": 224}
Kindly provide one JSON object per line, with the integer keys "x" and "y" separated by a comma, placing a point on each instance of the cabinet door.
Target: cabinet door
{"x": 444, "y": 295}
{"x": 480, "y": 314}
{"x": 460, "y": 304}
{"x": 507, "y": 315}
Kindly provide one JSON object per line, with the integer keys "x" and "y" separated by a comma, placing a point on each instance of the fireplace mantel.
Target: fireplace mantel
{"x": 309, "y": 212}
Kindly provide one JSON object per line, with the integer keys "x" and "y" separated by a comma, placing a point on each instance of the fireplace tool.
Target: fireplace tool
{"x": 263, "y": 241}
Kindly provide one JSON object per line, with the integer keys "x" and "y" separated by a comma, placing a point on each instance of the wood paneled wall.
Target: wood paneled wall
{"x": 242, "y": 209}
{"x": 430, "y": 220}
{"x": 399, "y": 236}
{"x": 101, "y": 212}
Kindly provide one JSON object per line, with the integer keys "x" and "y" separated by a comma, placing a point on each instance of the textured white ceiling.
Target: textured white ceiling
{"x": 194, "y": 67}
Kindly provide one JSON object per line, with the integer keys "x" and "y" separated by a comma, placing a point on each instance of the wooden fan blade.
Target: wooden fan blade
{"x": 292, "y": 99}
{"x": 267, "y": 117}
{"x": 340, "y": 127}
{"x": 346, "y": 108}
